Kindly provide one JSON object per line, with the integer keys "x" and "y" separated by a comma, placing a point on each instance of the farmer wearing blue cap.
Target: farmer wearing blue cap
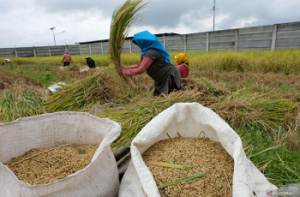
{"x": 155, "y": 60}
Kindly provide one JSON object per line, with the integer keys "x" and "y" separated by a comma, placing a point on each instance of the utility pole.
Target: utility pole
{"x": 214, "y": 10}
{"x": 52, "y": 28}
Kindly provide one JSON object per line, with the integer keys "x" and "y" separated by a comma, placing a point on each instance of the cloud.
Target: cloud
{"x": 27, "y": 23}
{"x": 70, "y": 6}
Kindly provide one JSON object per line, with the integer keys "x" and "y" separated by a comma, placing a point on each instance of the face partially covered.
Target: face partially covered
{"x": 182, "y": 58}
{"x": 146, "y": 41}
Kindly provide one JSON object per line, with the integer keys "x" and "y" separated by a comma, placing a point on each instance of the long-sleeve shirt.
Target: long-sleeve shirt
{"x": 137, "y": 69}
{"x": 183, "y": 71}
{"x": 158, "y": 69}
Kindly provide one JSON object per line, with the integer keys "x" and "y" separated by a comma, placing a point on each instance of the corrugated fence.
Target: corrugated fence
{"x": 270, "y": 37}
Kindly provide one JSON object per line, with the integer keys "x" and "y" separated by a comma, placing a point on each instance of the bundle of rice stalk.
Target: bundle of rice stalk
{"x": 96, "y": 88}
{"x": 134, "y": 117}
{"x": 190, "y": 167}
{"x": 17, "y": 103}
{"x": 244, "y": 106}
{"x": 122, "y": 21}
{"x": 204, "y": 85}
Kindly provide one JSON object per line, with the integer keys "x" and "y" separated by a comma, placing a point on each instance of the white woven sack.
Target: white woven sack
{"x": 189, "y": 119}
{"x": 99, "y": 178}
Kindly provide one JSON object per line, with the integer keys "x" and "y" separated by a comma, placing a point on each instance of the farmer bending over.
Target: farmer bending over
{"x": 183, "y": 62}
{"x": 90, "y": 62}
{"x": 155, "y": 60}
{"x": 6, "y": 61}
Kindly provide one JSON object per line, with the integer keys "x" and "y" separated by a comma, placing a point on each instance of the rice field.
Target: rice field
{"x": 256, "y": 92}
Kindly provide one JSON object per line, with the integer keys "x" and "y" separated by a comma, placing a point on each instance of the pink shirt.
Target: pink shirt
{"x": 67, "y": 57}
{"x": 183, "y": 71}
{"x": 138, "y": 68}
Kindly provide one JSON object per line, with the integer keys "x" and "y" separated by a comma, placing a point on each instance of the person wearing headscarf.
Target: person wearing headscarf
{"x": 66, "y": 58}
{"x": 6, "y": 61}
{"x": 155, "y": 61}
{"x": 90, "y": 62}
{"x": 183, "y": 62}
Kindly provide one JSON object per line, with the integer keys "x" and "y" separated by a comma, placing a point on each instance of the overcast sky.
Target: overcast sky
{"x": 26, "y": 23}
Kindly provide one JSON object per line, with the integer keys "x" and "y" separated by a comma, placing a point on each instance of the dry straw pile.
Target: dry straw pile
{"x": 100, "y": 86}
{"x": 96, "y": 88}
{"x": 46, "y": 165}
{"x": 136, "y": 115}
{"x": 192, "y": 156}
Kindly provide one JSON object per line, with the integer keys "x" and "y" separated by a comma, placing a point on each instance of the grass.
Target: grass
{"x": 41, "y": 73}
{"x": 280, "y": 165}
{"x": 256, "y": 92}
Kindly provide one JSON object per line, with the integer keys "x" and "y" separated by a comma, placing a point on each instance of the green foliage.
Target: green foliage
{"x": 10, "y": 67}
{"x": 280, "y": 165}
{"x": 19, "y": 103}
{"x": 39, "y": 73}
{"x": 46, "y": 78}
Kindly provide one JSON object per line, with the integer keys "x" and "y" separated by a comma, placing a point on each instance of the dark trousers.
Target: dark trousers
{"x": 172, "y": 87}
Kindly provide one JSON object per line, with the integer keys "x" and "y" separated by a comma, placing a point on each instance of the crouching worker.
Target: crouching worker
{"x": 90, "y": 62}
{"x": 66, "y": 59}
{"x": 155, "y": 60}
{"x": 6, "y": 61}
{"x": 183, "y": 62}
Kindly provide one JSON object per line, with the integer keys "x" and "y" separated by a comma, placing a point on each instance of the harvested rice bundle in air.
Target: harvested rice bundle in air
{"x": 122, "y": 21}
{"x": 46, "y": 165}
{"x": 196, "y": 156}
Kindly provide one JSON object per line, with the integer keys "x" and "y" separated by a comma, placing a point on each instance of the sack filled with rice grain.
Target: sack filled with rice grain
{"x": 80, "y": 136}
{"x": 175, "y": 136}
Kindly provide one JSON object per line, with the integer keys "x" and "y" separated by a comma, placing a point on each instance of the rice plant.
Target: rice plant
{"x": 244, "y": 106}
{"x": 135, "y": 116}
{"x": 19, "y": 103}
{"x": 123, "y": 19}
{"x": 83, "y": 92}
{"x": 284, "y": 61}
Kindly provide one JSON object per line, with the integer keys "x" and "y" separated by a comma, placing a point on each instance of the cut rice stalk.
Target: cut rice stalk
{"x": 122, "y": 21}
{"x": 199, "y": 175}
{"x": 169, "y": 165}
